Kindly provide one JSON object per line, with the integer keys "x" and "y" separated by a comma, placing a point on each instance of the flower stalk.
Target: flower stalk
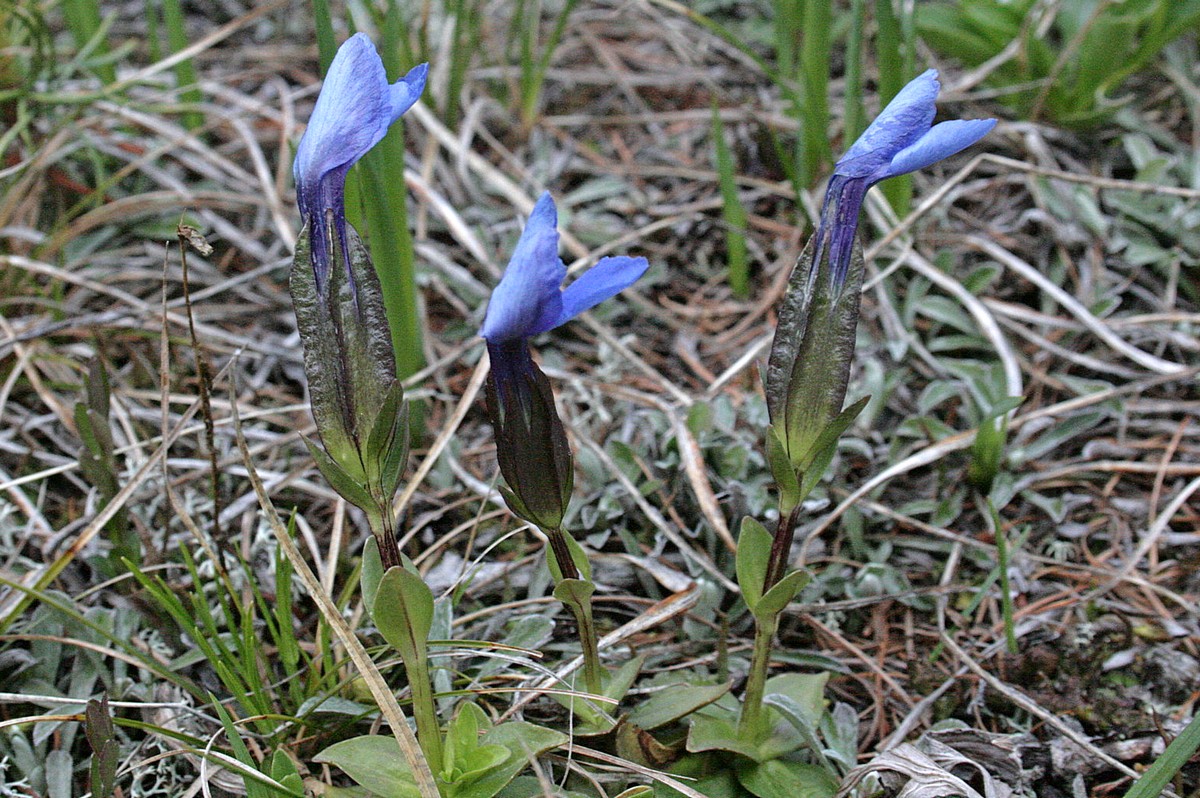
{"x": 531, "y": 443}
{"x": 357, "y": 401}
{"x": 809, "y": 366}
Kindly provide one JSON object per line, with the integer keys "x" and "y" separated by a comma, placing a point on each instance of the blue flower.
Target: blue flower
{"x": 530, "y": 299}
{"x": 899, "y": 141}
{"x": 531, "y": 445}
{"x": 354, "y": 110}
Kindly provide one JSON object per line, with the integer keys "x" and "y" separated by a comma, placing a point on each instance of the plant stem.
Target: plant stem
{"x": 582, "y": 610}
{"x": 1006, "y": 602}
{"x": 424, "y": 711}
{"x": 416, "y": 661}
{"x": 752, "y": 702}
{"x": 383, "y": 526}
{"x": 592, "y": 669}
{"x": 781, "y": 548}
{"x": 766, "y": 624}
{"x": 562, "y": 553}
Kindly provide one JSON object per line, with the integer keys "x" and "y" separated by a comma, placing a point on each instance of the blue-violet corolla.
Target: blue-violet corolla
{"x": 531, "y": 446}
{"x": 899, "y": 141}
{"x": 353, "y": 112}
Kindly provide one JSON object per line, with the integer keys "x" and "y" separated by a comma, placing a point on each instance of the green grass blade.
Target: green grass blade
{"x": 185, "y": 71}
{"x": 853, "y": 114}
{"x": 893, "y": 55}
{"x": 326, "y": 43}
{"x": 466, "y": 44}
{"x": 384, "y": 214}
{"x": 816, "y": 53}
{"x": 732, "y": 210}
{"x": 532, "y": 83}
{"x": 83, "y": 18}
{"x": 1152, "y": 783}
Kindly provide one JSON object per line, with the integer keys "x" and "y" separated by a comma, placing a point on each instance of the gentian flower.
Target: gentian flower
{"x": 354, "y": 110}
{"x": 809, "y": 366}
{"x": 357, "y": 402}
{"x": 531, "y": 445}
{"x": 899, "y": 141}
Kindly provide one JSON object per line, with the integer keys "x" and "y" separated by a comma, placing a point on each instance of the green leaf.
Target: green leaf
{"x": 719, "y": 733}
{"x": 387, "y": 445}
{"x": 106, "y": 752}
{"x": 348, "y": 487}
{"x": 57, "y": 770}
{"x": 579, "y": 556}
{"x": 732, "y": 210}
{"x": 284, "y": 771}
{"x": 783, "y": 471}
{"x": 618, "y": 682}
{"x": 403, "y": 611}
{"x": 574, "y": 592}
{"x": 465, "y": 759}
{"x": 375, "y": 762}
{"x": 372, "y": 572}
{"x": 521, "y": 742}
{"x": 806, "y": 690}
{"x": 779, "y": 778}
{"x": 826, "y": 446}
{"x": 781, "y": 594}
{"x": 593, "y": 717}
{"x": 675, "y": 702}
{"x": 753, "y": 554}
{"x": 804, "y": 723}
{"x": 1152, "y": 782}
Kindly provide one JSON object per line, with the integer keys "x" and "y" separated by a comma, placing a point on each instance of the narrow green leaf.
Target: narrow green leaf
{"x": 732, "y": 210}
{"x": 824, "y": 448}
{"x": 783, "y": 471}
{"x": 781, "y": 594}
{"x": 779, "y": 778}
{"x": 372, "y": 572}
{"x": 347, "y": 486}
{"x": 675, "y": 703}
{"x": 1156, "y": 778}
{"x": 753, "y": 554}
{"x": 805, "y": 723}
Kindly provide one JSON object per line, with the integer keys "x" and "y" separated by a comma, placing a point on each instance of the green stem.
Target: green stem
{"x": 592, "y": 669}
{"x": 582, "y": 610}
{"x": 383, "y": 526}
{"x": 1006, "y": 602}
{"x": 416, "y": 659}
{"x": 752, "y": 702}
{"x": 424, "y": 711}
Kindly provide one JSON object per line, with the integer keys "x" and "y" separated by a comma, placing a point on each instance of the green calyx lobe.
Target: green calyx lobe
{"x": 357, "y": 402}
{"x": 531, "y": 444}
{"x": 809, "y": 365}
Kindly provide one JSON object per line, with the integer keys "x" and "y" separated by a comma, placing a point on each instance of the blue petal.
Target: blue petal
{"x": 942, "y": 141}
{"x": 608, "y": 277}
{"x": 905, "y": 119}
{"x": 352, "y": 113}
{"x": 528, "y": 300}
{"x": 404, "y": 92}
{"x": 839, "y": 223}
